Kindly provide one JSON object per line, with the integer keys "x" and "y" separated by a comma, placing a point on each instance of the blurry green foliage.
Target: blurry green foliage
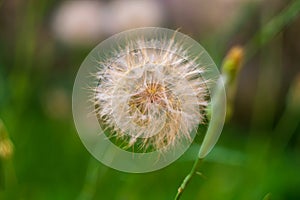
{"x": 50, "y": 162}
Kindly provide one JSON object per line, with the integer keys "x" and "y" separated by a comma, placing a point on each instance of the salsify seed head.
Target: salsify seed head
{"x": 150, "y": 93}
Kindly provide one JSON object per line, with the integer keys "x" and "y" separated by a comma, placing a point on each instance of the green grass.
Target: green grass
{"x": 50, "y": 162}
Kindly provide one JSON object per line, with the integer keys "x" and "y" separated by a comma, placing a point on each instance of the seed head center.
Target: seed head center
{"x": 141, "y": 104}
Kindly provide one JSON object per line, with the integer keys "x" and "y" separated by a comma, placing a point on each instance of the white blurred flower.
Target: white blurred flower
{"x": 205, "y": 16}
{"x": 127, "y": 14}
{"x": 79, "y": 22}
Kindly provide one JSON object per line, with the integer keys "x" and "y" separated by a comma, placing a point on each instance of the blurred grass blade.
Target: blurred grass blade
{"x": 267, "y": 197}
{"x": 272, "y": 28}
{"x": 290, "y": 119}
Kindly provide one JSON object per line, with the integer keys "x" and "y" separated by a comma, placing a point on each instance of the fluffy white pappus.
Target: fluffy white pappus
{"x": 151, "y": 93}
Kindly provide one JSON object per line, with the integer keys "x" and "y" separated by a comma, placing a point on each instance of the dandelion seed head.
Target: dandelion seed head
{"x": 140, "y": 96}
{"x": 151, "y": 90}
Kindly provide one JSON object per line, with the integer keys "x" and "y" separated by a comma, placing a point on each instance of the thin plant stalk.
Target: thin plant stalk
{"x": 188, "y": 178}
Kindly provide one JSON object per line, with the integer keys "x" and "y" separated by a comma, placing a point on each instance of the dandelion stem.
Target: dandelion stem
{"x": 188, "y": 178}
